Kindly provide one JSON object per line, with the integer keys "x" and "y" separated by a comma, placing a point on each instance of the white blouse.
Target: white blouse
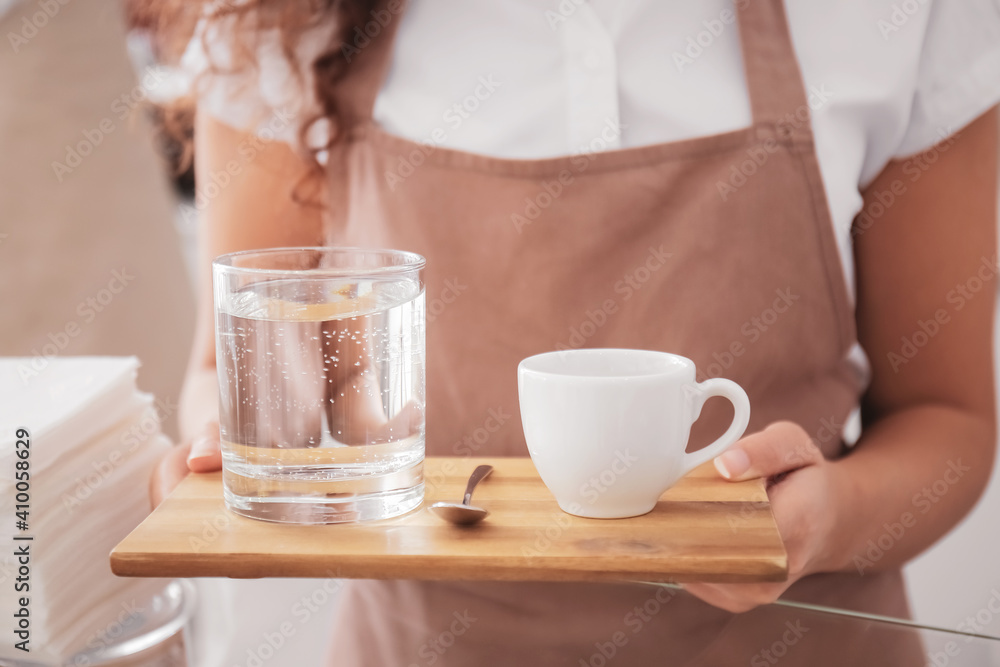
{"x": 541, "y": 78}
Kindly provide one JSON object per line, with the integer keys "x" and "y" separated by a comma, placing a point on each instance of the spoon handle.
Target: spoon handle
{"x": 477, "y": 476}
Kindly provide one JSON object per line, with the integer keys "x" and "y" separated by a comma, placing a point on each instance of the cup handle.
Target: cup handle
{"x": 700, "y": 393}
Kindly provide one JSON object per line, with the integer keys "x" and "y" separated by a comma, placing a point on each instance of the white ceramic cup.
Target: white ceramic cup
{"x": 607, "y": 428}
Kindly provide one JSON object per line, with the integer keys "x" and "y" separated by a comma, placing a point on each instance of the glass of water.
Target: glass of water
{"x": 320, "y": 354}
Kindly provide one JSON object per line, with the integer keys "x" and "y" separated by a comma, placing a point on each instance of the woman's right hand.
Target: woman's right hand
{"x": 200, "y": 450}
{"x": 202, "y": 454}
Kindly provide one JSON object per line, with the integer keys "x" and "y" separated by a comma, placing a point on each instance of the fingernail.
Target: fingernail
{"x": 733, "y": 463}
{"x": 202, "y": 448}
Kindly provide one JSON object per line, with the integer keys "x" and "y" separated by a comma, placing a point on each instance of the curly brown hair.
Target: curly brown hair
{"x": 172, "y": 22}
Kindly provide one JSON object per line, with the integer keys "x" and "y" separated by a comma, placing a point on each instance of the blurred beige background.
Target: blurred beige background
{"x": 89, "y": 261}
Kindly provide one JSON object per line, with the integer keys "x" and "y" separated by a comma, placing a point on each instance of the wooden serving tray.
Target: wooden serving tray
{"x": 703, "y": 529}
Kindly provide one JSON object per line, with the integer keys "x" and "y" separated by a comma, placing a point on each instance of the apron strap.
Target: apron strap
{"x": 369, "y": 52}
{"x": 774, "y": 82}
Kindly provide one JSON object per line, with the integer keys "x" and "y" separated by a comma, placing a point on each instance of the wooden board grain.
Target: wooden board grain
{"x": 703, "y": 529}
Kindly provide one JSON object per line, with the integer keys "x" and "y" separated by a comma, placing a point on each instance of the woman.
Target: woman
{"x": 658, "y": 176}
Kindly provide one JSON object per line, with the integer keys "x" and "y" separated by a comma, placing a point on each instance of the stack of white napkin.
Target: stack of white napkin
{"x": 94, "y": 441}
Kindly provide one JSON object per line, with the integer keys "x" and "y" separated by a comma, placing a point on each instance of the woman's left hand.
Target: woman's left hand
{"x": 804, "y": 491}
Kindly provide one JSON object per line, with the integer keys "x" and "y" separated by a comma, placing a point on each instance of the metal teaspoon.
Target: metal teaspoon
{"x": 464, "y": 514}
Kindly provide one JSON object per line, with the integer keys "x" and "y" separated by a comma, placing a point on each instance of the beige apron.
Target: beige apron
{"x": 718, "y": 248}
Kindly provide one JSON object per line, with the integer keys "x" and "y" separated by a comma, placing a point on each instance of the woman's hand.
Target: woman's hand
{"x": 803, "y": 488}
{"x": 202, "y": 454}
{"x": 924, "y": 415}
{"x": 199, "y": 450}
